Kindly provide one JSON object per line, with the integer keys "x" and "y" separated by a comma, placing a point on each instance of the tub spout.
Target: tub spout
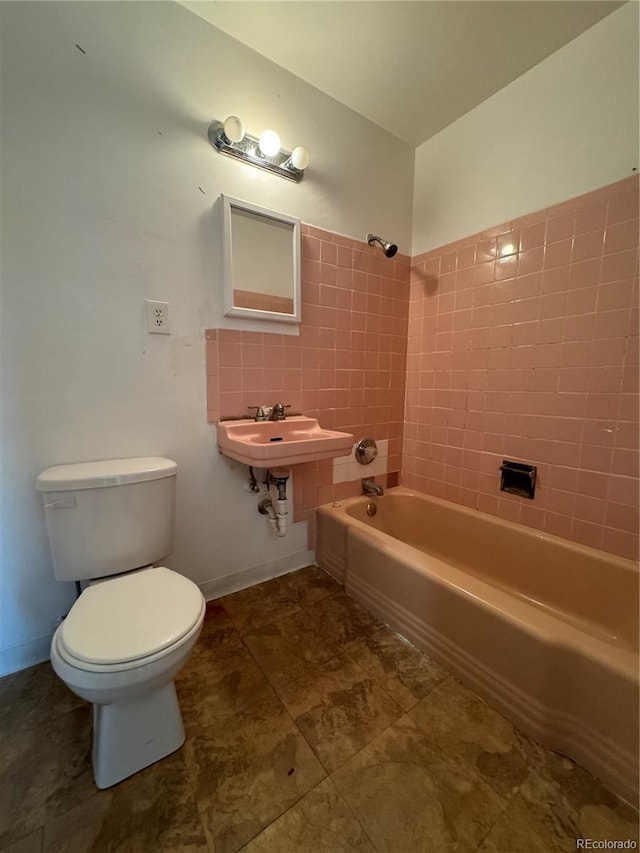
{"x": 371, "y": 488}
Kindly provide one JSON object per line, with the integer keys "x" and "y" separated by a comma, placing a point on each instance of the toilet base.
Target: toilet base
{"x": 129, "y": 736}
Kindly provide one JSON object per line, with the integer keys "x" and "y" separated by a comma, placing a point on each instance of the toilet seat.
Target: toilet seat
{"x": 130, "y": 620}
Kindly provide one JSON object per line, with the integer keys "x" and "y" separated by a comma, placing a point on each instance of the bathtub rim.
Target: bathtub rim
{"x": 343, "y": 505}
{"x": 628, "y": 652}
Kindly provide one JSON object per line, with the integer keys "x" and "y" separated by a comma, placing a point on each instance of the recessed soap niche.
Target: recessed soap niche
{"x": 518, "y": 478}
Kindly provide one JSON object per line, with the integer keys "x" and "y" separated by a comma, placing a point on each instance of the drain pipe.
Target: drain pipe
{"x": 278, "y": 518}
{"x": 279, "y": 479}
{"x": 265, "y": 507}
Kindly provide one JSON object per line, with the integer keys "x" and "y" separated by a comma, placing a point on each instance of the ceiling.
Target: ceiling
{"x": 411, "y": 67}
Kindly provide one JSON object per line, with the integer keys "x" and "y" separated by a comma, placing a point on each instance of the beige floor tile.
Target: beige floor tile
{"x": 460, "y": 724}
{"x": 32, "y": 697}
{"x": 31, "y": 843}
{"x": 339, "y": 709}
{"x": 403, "y": 671}
{"x": 339, "y": 617}
{"x": 216, "y": 619}
{"x": 260, "y": 605}
{"x": 555, "y": 807}
{"x": 221, "y": 678}
{"x": 288, "y": 648}
{"x": 44, "y": 772}
{"x": 320, "y": 822}
{"x": 247, "y": 769}
{"x": 409, "y": 797}
{"x": 308, "y": 586}
{"x": 574, "y": 787}
{"x": 154, "y": 810}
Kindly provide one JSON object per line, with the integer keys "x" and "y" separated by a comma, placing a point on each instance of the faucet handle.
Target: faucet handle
{"x": 263, "y": 413}
{"x": 278, "y": 411}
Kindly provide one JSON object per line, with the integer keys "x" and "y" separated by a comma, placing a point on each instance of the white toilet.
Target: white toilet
{"x": 133, "y": 627}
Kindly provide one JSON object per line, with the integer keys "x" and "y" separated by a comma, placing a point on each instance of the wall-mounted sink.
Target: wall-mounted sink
{"x": 271, "y": 444}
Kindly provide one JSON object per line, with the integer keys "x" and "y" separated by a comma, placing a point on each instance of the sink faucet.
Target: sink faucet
{"x": 278, "y": 412}
{"x": 263, "y": 413}
{"x": 371, "y": 488}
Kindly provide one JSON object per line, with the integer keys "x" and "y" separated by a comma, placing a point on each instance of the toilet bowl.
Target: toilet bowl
{"x": 127, "y": 673}
{"x": 131, "y": 629}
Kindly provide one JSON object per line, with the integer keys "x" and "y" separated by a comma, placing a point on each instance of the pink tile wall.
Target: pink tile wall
{"x": 347, "y": 367}
{"x": 523, "y": 344}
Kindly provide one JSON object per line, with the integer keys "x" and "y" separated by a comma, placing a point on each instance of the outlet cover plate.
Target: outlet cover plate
{"x": 157, "y": 317}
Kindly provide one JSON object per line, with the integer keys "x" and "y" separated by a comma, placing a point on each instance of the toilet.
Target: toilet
{"x": 134, "y": 625}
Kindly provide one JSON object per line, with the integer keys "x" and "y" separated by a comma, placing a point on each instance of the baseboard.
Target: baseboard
{"x": 15, "y": 658}
{"x": 235, "y": 581}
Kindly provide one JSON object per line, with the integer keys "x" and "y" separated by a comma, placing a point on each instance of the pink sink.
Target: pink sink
{"x": 274, "y": 444}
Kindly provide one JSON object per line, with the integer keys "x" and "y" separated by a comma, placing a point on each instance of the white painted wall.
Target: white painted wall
{"x": 108, "y": 191}
{"x": 566, "y": 127}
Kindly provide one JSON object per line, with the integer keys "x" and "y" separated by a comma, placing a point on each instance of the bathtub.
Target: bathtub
{"x": 544, "y": 629}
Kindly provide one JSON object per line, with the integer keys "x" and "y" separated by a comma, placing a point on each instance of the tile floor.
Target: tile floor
{"x": 310, "y": 727}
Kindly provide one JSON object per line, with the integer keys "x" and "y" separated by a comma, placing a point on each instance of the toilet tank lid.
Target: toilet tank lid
{"x": 106, "y": 472}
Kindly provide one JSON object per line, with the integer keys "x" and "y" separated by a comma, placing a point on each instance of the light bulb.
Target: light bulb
{"x": 300, "y": 157}
{"x": 233, "y": 129}
{"x": 269, "y": 143}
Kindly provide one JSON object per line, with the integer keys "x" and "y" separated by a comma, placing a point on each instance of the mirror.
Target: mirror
{"x": 261, "y": 262}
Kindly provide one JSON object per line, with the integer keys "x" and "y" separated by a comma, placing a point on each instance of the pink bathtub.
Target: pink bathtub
{"x": 545, "y": 630}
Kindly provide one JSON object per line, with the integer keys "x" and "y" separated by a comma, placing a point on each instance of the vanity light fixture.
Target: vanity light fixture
{"x": 229, "y": 137}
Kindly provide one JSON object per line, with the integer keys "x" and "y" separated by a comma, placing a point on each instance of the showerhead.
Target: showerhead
{"x": 388, "y": 248}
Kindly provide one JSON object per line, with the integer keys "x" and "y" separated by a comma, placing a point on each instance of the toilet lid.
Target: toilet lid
{"x": 131, "y": 616}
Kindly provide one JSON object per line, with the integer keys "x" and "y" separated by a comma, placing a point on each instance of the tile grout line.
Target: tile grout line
{"x": 324, "y": 663}
{"x": 274, "y": 689}
{"x": 382, "y": 687}
{"x": 299, "y": 609}
{"x": 502, "y": 812}
{"x": 328, "y": 773}
{"x": 355, "y": 817}
{"x": 402, "y": 713}
{"x": 277, "y": 817}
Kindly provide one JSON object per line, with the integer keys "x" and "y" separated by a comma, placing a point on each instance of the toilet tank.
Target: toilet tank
{"x": 108, "y": 517}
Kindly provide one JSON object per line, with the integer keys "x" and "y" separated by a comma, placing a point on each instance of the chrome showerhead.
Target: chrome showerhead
{"x": 388, "y": 248}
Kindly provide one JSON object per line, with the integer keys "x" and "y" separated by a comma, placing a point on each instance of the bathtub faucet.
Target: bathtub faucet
{"x": 371, "y": 488}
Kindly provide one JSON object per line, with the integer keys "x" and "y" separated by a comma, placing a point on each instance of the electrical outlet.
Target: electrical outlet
{"x": 157, "y": 317}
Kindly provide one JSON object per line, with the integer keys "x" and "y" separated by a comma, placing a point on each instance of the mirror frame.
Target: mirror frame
{"x": 228, "y": 206}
